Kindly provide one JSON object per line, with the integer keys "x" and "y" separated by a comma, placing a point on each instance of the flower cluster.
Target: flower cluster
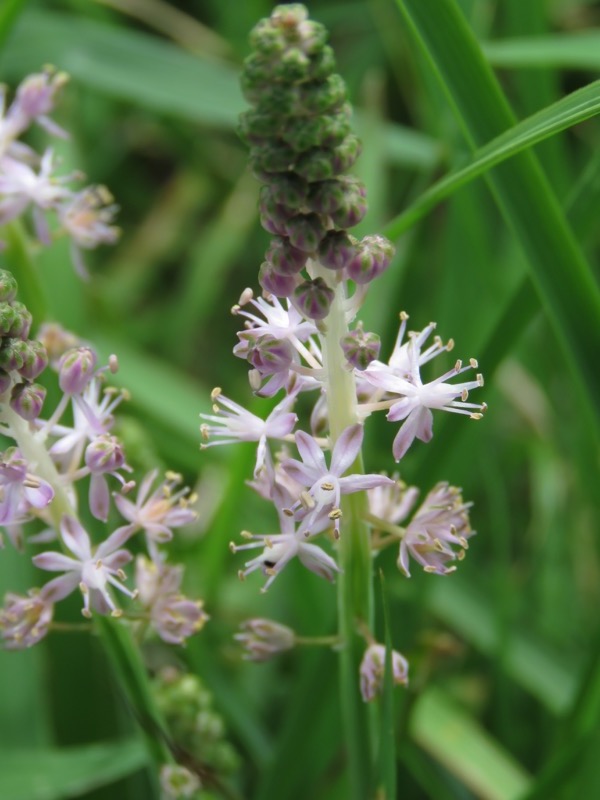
{"x": 29, "y": 180}
{"x": 39, "y": 478}
{"x": 302, "y": 337}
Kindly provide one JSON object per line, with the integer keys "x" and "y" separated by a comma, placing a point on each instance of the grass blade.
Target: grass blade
{"x": 558, "y": 267}
{"x": 566, "y": 51}
{"x": 568, "y": 111}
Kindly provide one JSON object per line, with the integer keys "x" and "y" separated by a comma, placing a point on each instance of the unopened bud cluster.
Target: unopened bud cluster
{"x": 22, "y": 359}
{"x": 301, "y": 147}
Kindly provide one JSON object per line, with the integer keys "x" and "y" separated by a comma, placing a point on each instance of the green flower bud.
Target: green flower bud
{"x": 337, "y": 250}
{"x": 22, "y": 324}
{"x": 354, "y": 205}
{"x": 8, "y": 286}
{"x": 320, "y": 97}
{"x": 275, "y": 156}
{"x": 288, "y": 190}
{"x": 35, "y": 360}
{"x": 13, "y": 354}
{"x": 316, "y": 164}
{"x": 286, "y": 259}
{"x": 8, "y": 317}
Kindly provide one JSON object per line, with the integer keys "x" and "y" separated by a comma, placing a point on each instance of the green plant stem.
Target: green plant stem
{"x": 355, "y": 591}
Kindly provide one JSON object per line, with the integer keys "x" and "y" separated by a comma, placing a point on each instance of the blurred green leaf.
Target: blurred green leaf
{"x": 58, "y": 774}
{"x": 534, "y": 667}
{"x": 565, "y": 50}
{"x": 126, "y": 64}
{"x": 9, "y": 11}
{"x": 451, "y": 736}
{"x": 569, "y": 111}
{"x": 519, "y": 186}
{"x": 385, "y": 772}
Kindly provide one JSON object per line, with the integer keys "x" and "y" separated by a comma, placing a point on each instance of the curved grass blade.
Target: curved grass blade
{"x": 569, "y": 111}
{"x": 9, "y": 13}
{"x": 558, "y": 267}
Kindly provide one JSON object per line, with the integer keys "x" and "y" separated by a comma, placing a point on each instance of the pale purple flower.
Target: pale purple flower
{"x": 34, "y": 100}
{"x": 104, "y": 456}
{"x": 274, "y": 320}
{"x": 92, "y": 417}
{"x": 262, "y": 639}
{"x": 236, "y": 424}
{"x": 402, "y": 377}
{"x": 157, "y": 513}
{"x": 174, "y": 616}
{"x": 325, "y": 483}
{"x": 372, "y": 671}
{"x": 20, "y": 491}
{"x": 25, "y": 620}
{"x": 87, "y": 218}
{"x": 281, "y": 548}
{"x": 392, "y": 503}
{"x": 441, "y": 523}
{"x": 93, "y": 572}
{"x": 21, "y": 186}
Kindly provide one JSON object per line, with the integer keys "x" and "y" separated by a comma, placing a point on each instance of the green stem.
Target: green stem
{"x": 355, "y": 591}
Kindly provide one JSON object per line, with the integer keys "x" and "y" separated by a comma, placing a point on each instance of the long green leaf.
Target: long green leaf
{"x": 386, "y": 767}
{"x": 70, "y": 772}
{"x": 452, "y": 737}
{"x": 570, "y": 51}
{"x": 558, "y": 267}
{"x": 568, "y": 111}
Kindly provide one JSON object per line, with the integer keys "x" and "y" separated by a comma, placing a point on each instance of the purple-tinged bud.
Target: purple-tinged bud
{"x": 9, "y": 317}
{"x": 271, "y": 356}
{"x": 27, "y": 399}
{"x": 5, "y": 381}
{"x": 327, "y": 196}
{"x": 8, "y": 286}
{"x": 22, "y": 325}
{"x": 372, "y": 670}
{"x": 313, "y": 298}
{"x": 373, "y": 257}
{"x": 317, "y": 164}
{"x": 12, "y": 354}
{"x": 306, "y": 231}
{"x": 262, "y": 639}
{"x": 354, "y": 205}
{"x": 337, "y": 250}
{"x": 273, "y": 215}
{"x": 360, "y": 347}
{"x": 35, "y": 360}
{"x": 274, "y": 282}
{"x": 76, "y": 369}
{"x": 286, "y": 259}
{"x": 346, "y": 153}
{"x": 104, "y": 454}
{"x": 288, "y": 190}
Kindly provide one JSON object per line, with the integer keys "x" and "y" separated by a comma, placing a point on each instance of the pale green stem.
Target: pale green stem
{"x": 355, "y": 591}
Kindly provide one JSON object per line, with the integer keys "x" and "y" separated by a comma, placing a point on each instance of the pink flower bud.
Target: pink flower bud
{"x": 76, "y": 369}
{"x": 104, "y": 454}
{"x": 372, "y": 669}
{"x": 27, "y": 399}
{"x": 313, "y": 298}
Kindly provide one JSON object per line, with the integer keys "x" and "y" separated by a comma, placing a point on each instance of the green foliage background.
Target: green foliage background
{"x": 504, "y": 700}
